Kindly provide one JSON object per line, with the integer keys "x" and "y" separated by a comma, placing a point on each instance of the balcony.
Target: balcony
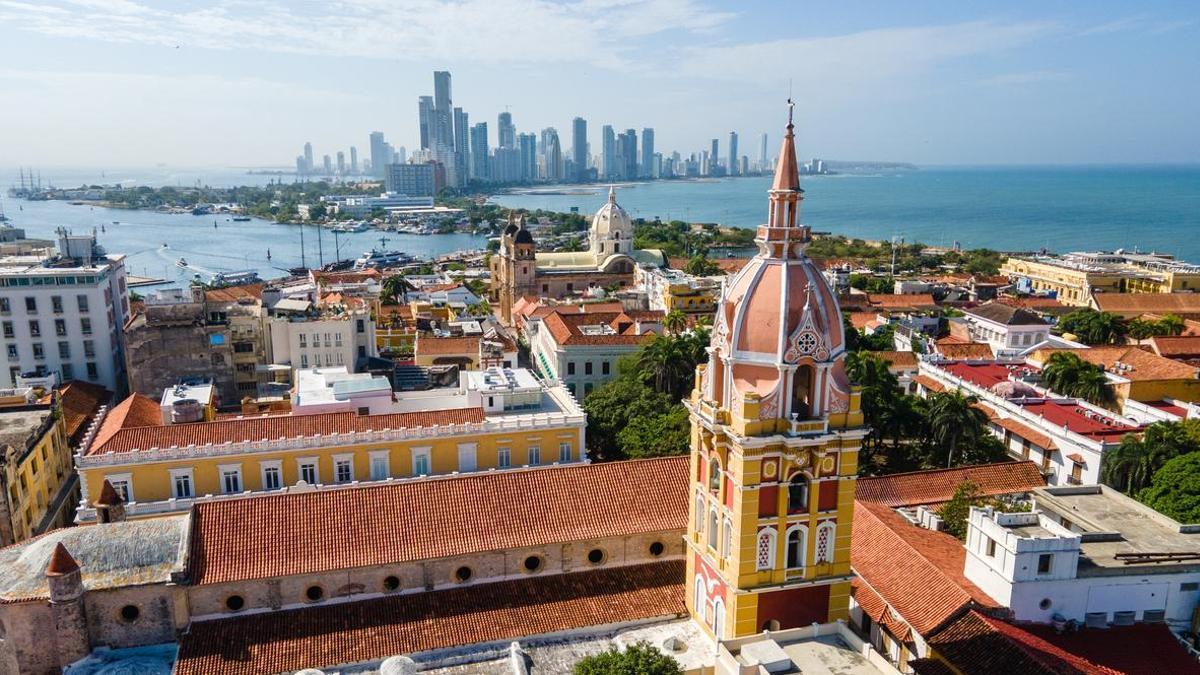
{"x": 808, "y": 427}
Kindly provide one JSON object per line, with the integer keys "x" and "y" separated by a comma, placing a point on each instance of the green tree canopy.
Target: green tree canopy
{"x": 637, "y": 659}
{"x": 1132, "y": 465}
{"x": 1094, "y": 328}
{"x": 1175, "y": 489}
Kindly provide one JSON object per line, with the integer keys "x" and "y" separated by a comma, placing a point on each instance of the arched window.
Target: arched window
{"x": 727, "y": 540}
{"x": 798, "y": 494}
{"x": 802, "y": 390}
{"x": 795, "y": 547}
{"x": 714, "y": 475}
{"x": 616, "y": 247}
{"x": 699, "y": 512}
{"x": 699, "y": 600}
{"x": 764, "y": 556}
{"x": 718, "y": 625}
{"x": 712, "y": 529}
{"x": 617, "y": 234}
{"x": 825, "y": 542}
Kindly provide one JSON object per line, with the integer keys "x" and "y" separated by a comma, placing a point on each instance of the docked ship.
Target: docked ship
{"x": 380, "y": 259}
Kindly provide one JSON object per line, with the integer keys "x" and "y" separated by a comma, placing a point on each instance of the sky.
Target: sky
{"x": 125, "y": 83}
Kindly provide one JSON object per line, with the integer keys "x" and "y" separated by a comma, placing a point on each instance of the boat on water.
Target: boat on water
{"x": 116, "y": 222}
{"x": 182, "y": 262}
{"x": 241, "y": 219}
{"x": 380, "y": 259}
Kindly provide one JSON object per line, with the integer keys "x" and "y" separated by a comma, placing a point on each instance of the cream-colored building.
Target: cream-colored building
{"x": 1075, "y": 277}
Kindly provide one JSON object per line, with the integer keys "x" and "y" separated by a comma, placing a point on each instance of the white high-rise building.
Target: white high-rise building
{"x": 62, "y": 314}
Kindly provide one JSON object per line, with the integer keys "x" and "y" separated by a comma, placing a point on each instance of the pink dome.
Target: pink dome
{"x": 1013, "y": 389}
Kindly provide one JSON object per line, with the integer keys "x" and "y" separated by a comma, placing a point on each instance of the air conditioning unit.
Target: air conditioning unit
{"x": 1154, "y": 615}
{"x": 1096, "y": 619}
{"x": 1124, "y": 618}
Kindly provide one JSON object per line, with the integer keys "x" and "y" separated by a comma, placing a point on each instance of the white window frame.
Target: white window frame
{"x": 718, "y": 621}
{"x": 504, "y": 457}
{"x": 701, "y": 598}
{"x": 420, "y": 455}
{"x": 726, "y": 537}
{"x": 190, "y": 474}
{"x": 700, "y": 512}
{"x": 117, "y": 480}
{"x": 533, "y": 455}
{"x": 386, "y": 457}
{"x": 275, "y": 464}
{"x": 564, "y": 452}
{"x": 224, "y": 469}
{"x": 803, "y": 546}
{"x": 469, "y": 452}
{"x": 714, "y": 523}
{"x": 830, "y": 550}
{"x": 302, "y": 462}
{"x": 346, "y": 460}
{"x": 772, "y": 538}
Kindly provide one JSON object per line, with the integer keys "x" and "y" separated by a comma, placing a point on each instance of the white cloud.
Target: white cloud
{"x": 1139, "y": 23}
{"x": 1029, "y": 77}
{"x": 602, "y": 32}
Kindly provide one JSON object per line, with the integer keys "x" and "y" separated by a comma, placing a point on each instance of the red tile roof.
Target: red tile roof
{"x": 234, "y": 293}
{"x": 909, "y": 301}
{"x": 128, "y": 438}
{"x": 918, "y": 572}
{"x": 370, "y": 630}
{"x": 303, "y": 533}
{"x": 135, "y": 411}
{"x": 1145, "y": 365}
{"x": 81, "y": 401}
{"x": 976, "y": 643}
{"x": 929, "y": 383}
{"x": 899, "y": 359}
{"x": 1179, "y": 347}
{"x": 1185, "y": 305}
{"x": 969, "y": 350}
{"x": 61, "y": 562}
{"x": 565, "y": 327}
{"x": 937, "y": 486}
{"x": 429, "y": 346}
{"x": 1025, "y": 431}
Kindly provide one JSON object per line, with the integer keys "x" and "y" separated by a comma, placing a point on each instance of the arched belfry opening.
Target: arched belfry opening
{"x": 802, "y": 391}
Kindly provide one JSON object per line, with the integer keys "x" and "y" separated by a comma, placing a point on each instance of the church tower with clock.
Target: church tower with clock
{"x": 776, "y": 430}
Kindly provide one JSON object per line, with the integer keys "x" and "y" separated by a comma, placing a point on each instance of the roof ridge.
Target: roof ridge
{"x": 927, "y": 472}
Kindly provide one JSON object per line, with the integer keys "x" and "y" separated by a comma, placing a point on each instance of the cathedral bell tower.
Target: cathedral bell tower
{"x": 776, "y": 430}
{"x": 514, "y": 267}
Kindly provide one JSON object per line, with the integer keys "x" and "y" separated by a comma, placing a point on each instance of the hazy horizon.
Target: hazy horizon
{"x": 121, "y": 84}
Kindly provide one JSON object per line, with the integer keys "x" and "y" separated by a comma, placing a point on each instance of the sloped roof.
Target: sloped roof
{"x": 1146, "y": 364}
{"x": 330, "y": 635}
{"x": 566, "y": 329}
{"x": 80, "y": 402}
{"x": 1133, "y": 304}
{"x": 134, "y": 412}
{"x": 303, "y": 533}
{"x": 967, "y": 350}
{"x": 937, "y": 486}
{"x": 907, "y": 301}
{"x": 917, "y": 571}
{"x": 899, "y": 359}
{"x": 129, "y": 438}
{"x": 427, "y": 346}
{"x": 1177, "y": 347}
{"x": 976, "y": 643}
{"x": 1005, "y": 314}
{"x": 234, "y": 293}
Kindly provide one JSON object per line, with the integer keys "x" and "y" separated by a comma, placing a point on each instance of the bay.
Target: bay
{"x": 1011, "y": 208}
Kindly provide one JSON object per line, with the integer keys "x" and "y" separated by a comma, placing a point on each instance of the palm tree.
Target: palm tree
{"x": 664, "y": 362}
{"x": 675, "y": 321}
{"x": 953, "y": 419}
{"x": 1091, "y": 384}
{"x": 1131, "y": 465}
{"x": 1172, "y": 324}
{"x": 396, "y": 287}
{"x": 1070, "y": 375}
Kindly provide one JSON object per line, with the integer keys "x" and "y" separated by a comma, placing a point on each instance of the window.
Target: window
{"x": 587, "y": 368}
{"x": 1189, "y": 586}
{"x": 89, "y": 349}
{"x": 798, "y": 495}
{"x": 314, "y": 593}
{"x": 533, "y": 563}
{"x": 39, "y": 352}
{"x": 657, "y": 549}
{"x": 303, "y": 340}
{"x": 699, "y": 512}
{"x": 272, "y": 475}
{"x": 308, "y": 470}
{"x": 564, "y": 452}
{"x": 123, "y": 485}
{"x": 343, "y": 468}
{"x": 727, "y": 539}
{"x": 31, "y": 305}
{"x": 12, "y": 352}
{"x": 391, "y": 583}
{"x": 8, "y": 329}
{"x": 181, "y": 483}
{"x": 467, "y": 457}
{"x": 92, "y": 371}
{"x": 361, "y": 326}
{"x": 56, "y": 304}
{"x": 421, "y": 462}
{"x": 60, "y": 327}
{"x": 604, "y": 367}
{"x": 85, "y": 325}
{"x": 304, "y": 360}
{"x": 991, "y": 547}
{"x": 462, "y": 574}
{"x": 35, "y": 328}
{"x": 700, "y": 599}
{"x": 825, "y": 543}
{"x": 5, "y": 306}
{"x": 535, "y": 455}
{"x": 570, "y": 367}
{"x": 1045, "y": 563}
{"x": 83, "y": 302}
{"x": 504, "y": 458}
{"x": 587, "y": 388}
{"x": 712, "y": 529}
{"x": 231, "y": 479}
{"x": 130, "y": 613}
{"x": 795, "y": 547}
{"x": 381, "y": 465}
{"x": 595, "y": 556}
{"x": 64, "y": 350}
{"x": 68, "y": 372}
{"x": 764, "y": 553}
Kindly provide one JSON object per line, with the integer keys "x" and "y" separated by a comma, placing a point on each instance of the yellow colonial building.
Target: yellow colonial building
{"x": 776, "y": 430}
{"x": 35, "y": 465}
{"x": 353, "y": 434}
{"x": 1074, "y": 278}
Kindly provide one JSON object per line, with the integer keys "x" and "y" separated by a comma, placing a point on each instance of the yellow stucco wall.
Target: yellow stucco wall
{"x": 35, "y": 481}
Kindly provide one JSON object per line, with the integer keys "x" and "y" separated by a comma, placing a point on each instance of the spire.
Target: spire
{"x": 787, "y": 172}
{"x": 612, "y": 194}
{"x": 61, "y": 562}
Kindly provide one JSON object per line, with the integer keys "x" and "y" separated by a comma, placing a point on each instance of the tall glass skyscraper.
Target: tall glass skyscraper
{"x": 579, "y": 148}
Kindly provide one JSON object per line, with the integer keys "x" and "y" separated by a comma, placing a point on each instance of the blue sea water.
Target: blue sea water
{"x": 1011, "y": 209}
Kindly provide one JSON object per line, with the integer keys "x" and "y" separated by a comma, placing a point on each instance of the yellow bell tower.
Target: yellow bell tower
{"x": 776, "y": 430}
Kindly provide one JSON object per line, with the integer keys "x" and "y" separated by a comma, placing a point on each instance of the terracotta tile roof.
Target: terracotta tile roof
{"x": 910, "y": 301}
{"x": 370, "y": 630}
{"x": 272, "y": 536}
{"x": 61, "y": 562}
{"x": 565, "y": 329}
{"x": 1186, "y": 305}
{"x": 899, "y": 359}
{"x": 1181, "y": 347}
{"x": 427, "y": 346}
{"x": 929, "y": 383}
{"x": 976, "y": 643}
{"x": 934, "y": 487}
{"x": 970, "y": 350}
{"x": 234, "y": 293}
{"x": 1005, "y": 314}
{"x": 80, "y": 402}
{"x": 861, "y": 320}
{"x": 135, "y": 411}
{"x": 1025, "y": 431}
{"x": 131, "y": 438}
{"x": 918, "y": 572}
{"x": 1146, "y": 365}
{"x": 875, "y": 607}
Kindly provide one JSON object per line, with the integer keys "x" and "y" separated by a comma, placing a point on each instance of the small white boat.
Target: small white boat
{"x": 181, "y": 262}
